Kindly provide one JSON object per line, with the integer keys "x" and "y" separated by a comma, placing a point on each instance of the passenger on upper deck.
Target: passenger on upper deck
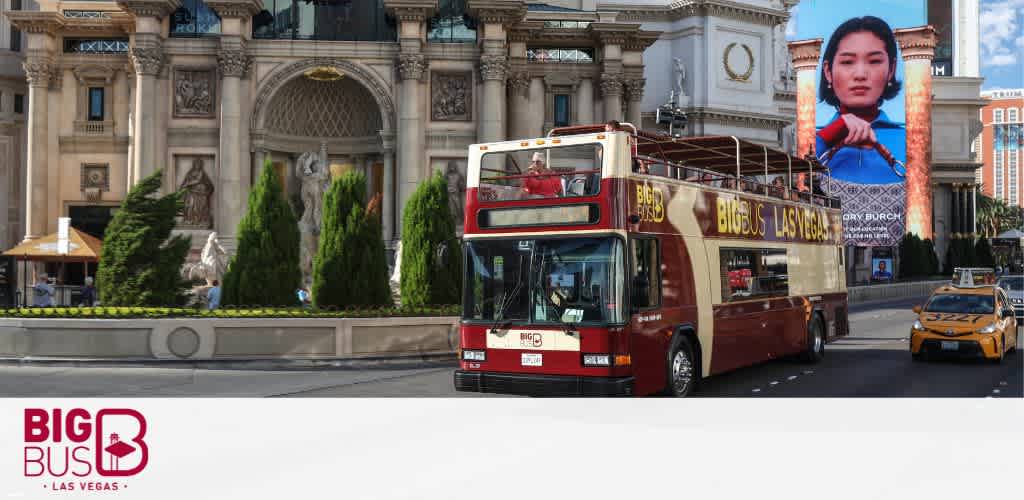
{"x": 547, "y": 186}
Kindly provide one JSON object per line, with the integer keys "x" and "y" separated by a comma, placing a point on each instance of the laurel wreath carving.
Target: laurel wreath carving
{"x": 734, "y": 76}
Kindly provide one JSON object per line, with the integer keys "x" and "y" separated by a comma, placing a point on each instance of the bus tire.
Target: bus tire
{"x": 682, "y": 368}
{"x": 815, "y": 350}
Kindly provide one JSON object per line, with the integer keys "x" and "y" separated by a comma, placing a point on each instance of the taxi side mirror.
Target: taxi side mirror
{"x": 917, "y": 309}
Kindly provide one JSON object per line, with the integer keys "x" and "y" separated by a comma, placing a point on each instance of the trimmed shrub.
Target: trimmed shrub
{"x": 350, "y": 266}
{"x": 265, "y": 269}
{"x": 431, "y": 255}
{"x": 140, "y": 264}
{"x": 933, "y": 258}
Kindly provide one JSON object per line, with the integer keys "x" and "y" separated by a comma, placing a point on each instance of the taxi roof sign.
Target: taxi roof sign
{"x": 973, "y": 277}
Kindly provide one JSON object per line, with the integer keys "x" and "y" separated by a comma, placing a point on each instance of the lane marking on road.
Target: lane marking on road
{"x": 774, "y": 382}
{"x": 995, "y": 391}
{"x": 756, "y": 390}
{"x": 808, "y": 372}
{"x": 791, "y": 377}
{"x": 1002, "y": 383}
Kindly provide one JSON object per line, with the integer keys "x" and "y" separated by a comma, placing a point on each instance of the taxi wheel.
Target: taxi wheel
{"x": 918, "y": 356}
{"x": 815, "y": 350}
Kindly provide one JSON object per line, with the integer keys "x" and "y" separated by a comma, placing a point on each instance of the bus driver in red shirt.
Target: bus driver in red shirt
{"x": 544, "y": 186}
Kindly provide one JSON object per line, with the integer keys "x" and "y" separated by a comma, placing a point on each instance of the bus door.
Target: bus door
{"x": 647, "y": 339}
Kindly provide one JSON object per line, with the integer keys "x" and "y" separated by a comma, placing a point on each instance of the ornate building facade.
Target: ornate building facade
{"x": 210, "y": 90}
{"x": 13, "y": 92}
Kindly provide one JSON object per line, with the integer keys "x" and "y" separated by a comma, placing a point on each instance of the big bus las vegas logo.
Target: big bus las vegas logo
{"x": 75, "y": 450}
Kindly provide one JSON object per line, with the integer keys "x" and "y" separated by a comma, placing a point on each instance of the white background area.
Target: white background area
{"x": 556, "y": 448}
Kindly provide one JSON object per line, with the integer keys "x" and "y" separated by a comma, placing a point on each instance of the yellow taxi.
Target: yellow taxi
{"x": 971, "y": 317}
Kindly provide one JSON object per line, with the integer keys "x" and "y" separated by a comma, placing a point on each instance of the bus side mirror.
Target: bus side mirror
{"x": 917, "y": 309}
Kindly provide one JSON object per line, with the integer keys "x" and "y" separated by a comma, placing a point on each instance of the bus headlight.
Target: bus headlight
{"x": 474, "y": 355}
{"x": 597, "y": 360}
{"x": 991, "y": 328}
{"x": 918, "y": 327}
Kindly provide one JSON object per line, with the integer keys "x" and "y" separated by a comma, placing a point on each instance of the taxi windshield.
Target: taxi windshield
{"x": 557, "y": 172}
{"x": 963, "y": 304}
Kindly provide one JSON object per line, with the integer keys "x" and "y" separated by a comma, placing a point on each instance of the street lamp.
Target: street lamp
{"x": 672, "y": 115}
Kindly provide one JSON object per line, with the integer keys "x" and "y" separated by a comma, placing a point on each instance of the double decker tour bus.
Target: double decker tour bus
{"x": 604, "y": 261}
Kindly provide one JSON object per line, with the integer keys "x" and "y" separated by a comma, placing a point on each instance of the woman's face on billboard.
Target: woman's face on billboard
{"x": 860, "y": 70}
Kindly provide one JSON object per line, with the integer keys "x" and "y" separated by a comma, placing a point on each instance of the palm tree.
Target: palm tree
{"x": 995, "y": 216}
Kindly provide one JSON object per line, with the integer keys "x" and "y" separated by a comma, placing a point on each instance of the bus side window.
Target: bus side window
{"x": 646, "y": 274}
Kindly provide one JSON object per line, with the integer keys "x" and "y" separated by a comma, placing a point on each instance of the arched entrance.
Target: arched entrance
{"x": 347, "y": 123}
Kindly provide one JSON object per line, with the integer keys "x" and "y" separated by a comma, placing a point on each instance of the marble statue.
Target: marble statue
{"x": 198, "y": 194}
{"x": 315, "y": 181}
{"x": 680, "y": 76}
{"x": 456, "y": 190}
{"x": 214, "y": 259}
{"x": 396, "y": 275}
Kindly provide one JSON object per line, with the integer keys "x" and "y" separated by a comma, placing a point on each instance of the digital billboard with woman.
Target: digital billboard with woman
{"x": 861, "y": 136}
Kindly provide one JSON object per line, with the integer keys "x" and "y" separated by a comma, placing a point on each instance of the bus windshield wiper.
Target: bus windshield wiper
{"x": 506, "y": 300}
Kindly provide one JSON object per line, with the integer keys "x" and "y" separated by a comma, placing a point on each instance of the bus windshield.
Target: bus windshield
{"x": 557, "y": 172}
{"x": 543, "y": 281}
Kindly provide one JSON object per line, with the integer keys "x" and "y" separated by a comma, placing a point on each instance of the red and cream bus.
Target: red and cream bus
{"x": 604, "y": 261}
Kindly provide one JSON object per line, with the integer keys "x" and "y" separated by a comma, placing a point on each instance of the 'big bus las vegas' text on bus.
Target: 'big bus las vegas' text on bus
{"x": 604, "y": 261}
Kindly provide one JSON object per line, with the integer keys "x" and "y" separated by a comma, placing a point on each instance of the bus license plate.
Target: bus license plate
{"x": 950, "y": 346}
{"x": 532, "y": 359}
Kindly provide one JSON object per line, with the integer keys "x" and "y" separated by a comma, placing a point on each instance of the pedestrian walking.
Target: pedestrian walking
{"x": 43, "y": 291}
{"x": 88, "y": 293}
{"x": 213, "y": 296}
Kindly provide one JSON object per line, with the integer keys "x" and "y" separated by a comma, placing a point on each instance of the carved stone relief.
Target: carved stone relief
{"x": 96, "y": 177}
{"x": 194, "y": 93}
{"x": 451, "y": 96}
{"x": 198, "y": 188}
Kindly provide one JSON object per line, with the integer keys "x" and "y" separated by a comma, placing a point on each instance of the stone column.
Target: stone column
{"x": 611, "y": 92}
{"x": 388, "y": 209}
{"x": 634, "y": 96}
{"x": 519, "y": 107}
{"x": 917, "y": 46}
{"x": 585, "y": 101}
{"x": 493, "y": 69}
{"x": 37, "y": 70}
{"x": 411, "y": 68}
{"x": 805, "y": 55}
{"x": 954, "y": 217}
{"x": 233, "y": 63}
{"x": 147, "y": 56}
{"x": 259, "y": 158}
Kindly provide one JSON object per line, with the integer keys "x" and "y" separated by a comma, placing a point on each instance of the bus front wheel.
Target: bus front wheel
{"x": 682, "y": 368}
{"x": 815, "y": 350}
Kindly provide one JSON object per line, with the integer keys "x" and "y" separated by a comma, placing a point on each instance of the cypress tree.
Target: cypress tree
{"x": 933, "y": 258}
{"x": 139, "y": 265}
{"x": 983, "y": 254}
{"x": 350, "y": 266}
{"x": 431, "y": 255}
{"x": 265, "y": 269}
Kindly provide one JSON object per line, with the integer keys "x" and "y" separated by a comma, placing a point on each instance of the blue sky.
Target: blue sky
{"x": 1002, "y": 44}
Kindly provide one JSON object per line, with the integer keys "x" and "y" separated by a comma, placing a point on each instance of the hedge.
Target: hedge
{"x": 102, "y": 312}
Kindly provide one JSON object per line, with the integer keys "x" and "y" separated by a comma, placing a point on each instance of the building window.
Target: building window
{"x": 96, "y": 45}
{"x": 748, "y": 273}
{"x": 561, "y": 113}
{"x": 997, "y": 164}
{"x": 19, "y": 103}
{"x": 997, "y": 116}
{"x": 451, "y": 24}
{"x": 576, "y": 25}
{"x": 577, "y": 55}
{"x": 646, "y": 273}
{"x": 15, "y": 44}
{"x": 345, "y": 20}
{"x": 96, "y": 104}
{"x": 1012, "y": 163}
{"x": 194, "y": 18}
{"x": 1011, "y": 115}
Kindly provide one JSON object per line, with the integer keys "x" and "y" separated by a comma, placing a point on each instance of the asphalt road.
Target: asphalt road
{"x": 872, "y": 362}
